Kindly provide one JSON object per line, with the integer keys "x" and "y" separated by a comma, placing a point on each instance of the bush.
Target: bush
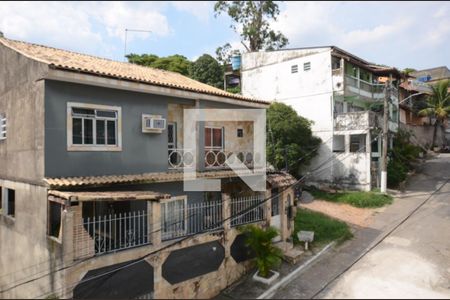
{"x": 396, "y": 173}
{"x": 260, "y": 242}
{"x": 325, "y": 228}
{"x": 357, "y": 199}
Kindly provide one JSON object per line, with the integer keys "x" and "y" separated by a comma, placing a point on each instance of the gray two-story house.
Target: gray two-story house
{"x": 91, "y": 179}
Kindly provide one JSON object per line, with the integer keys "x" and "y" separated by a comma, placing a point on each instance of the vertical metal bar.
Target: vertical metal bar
{"x": 120, "y": 230}
{"x": 110, "y": 236}
{"x": 139, "y": 239}
{"x": 115, "y": 231}
{"x": 134, "y": 228}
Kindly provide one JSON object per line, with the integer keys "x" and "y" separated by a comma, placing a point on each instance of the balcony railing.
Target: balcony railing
{"x": 180, "y": 158}
{"x": 361, "y": 120}
{"x": 365, "y": 88}
{"x": 213, "y": 158}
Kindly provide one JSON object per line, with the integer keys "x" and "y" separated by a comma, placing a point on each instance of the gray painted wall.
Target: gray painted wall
{"x": 141, "y": 152}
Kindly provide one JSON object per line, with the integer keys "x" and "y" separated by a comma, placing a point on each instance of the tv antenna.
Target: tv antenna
{"x": 126, "y": 35}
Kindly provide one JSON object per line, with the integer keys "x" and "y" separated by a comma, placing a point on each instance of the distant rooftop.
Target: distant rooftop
{"x": 433, "y": 74}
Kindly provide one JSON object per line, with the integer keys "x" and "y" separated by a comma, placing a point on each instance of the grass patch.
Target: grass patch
{"x": 358, "y": 199}
{"x": 325, "y": 228}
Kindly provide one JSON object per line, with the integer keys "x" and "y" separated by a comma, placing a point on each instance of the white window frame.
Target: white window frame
{"x": 173, "y": 199}
{"x": 216, "y": 148}
{"x": 93, "y": 147}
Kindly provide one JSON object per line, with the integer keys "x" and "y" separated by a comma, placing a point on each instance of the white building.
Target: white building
{"x": 341, "y": 94}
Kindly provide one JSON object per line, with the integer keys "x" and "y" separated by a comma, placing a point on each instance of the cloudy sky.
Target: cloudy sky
{"x": 400, "y": 34}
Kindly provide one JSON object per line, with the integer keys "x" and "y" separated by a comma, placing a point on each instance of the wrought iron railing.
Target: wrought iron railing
{"x": 246, "y": 210}
{"x": 187, "y": 219}
{"x": 113, "y": 232}
{"x": 181, "y": 158}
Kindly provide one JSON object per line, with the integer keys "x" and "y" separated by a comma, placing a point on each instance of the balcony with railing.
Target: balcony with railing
{"x": 364, "y": 88}
{"x": 356, "y": 121}
{"x": 213, "y": 159}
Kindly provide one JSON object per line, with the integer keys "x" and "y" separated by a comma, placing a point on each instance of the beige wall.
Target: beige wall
{"x": 22, "y": 100}
{"x": 26, "y": 252}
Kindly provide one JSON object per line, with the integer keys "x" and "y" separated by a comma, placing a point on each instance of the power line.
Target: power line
{"x": 203, "y": 231}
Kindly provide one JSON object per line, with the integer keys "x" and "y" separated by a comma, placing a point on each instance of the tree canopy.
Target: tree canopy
{"x": 251, "y": 19}
{"x": 207, "y": 70}
{"x": 290, "y": 135}
{"x": 438, "y": 105}
{"x": 175, "y": 63}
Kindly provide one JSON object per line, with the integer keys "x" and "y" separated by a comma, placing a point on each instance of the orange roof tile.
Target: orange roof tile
{"x": 67, "y": 60}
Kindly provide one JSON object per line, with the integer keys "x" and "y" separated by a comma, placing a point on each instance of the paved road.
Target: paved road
{"x": 409, "y": 259}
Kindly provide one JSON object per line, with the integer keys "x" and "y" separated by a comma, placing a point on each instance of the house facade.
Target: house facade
{"x": 92, "y": 162}
{"x": 413, "y": 93}
{"x": 342, "y": 94}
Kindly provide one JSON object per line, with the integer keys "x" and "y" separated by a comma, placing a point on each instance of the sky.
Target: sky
{"x": 400, "y": 34}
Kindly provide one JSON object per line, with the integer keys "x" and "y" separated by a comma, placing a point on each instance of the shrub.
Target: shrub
{"x": 260, "y": 242}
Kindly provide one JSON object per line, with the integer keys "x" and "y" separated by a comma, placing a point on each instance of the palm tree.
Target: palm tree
{"x": 259, "y": 241}
{"x": 438, "y": 105}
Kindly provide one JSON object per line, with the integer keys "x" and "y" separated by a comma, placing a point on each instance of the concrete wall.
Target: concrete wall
{"x": 22, "y": 101}
{"x": 26, "y": 251}
{"x": 423, "y": 134}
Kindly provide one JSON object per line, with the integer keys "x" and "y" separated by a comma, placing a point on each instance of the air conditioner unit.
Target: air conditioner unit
{"x": 153, "y": 123}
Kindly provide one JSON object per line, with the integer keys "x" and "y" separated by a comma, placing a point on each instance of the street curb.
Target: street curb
{"x": 291, "y": 276}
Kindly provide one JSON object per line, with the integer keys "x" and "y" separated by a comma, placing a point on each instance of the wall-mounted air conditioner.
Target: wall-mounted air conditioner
{"x": 153, "y": 123}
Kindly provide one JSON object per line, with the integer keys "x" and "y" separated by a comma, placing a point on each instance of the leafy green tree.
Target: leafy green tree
{"x": 175, "y": 63}
{"x": 253, "y": 20}
{"x": 408, "y": 71}
{"x": 289, "y": 136}
{"x": 438, "y": 105}
{"x": 260, "y": 243}
{"x": 224, "y": 53}
{"x": 207, "y": 70}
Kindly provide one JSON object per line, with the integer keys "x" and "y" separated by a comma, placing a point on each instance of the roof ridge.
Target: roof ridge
{"x": 70, "y": 60}
{"x": 89, "y": 55}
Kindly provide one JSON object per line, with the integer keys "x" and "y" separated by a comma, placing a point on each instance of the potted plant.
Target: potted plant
{"x": 267, "y": 256}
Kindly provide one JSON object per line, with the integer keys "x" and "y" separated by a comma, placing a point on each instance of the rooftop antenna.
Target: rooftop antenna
{"x": 126, "y": 35}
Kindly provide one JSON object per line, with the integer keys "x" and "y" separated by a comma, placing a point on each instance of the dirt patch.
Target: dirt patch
{"x": 341, "y": 211}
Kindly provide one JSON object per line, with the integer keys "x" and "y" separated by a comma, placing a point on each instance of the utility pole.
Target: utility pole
{"x": 385, "y": 137}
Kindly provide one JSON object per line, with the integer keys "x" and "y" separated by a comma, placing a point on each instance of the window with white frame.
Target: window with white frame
{"x": 93, "y": 127}
{"x": 214, "y": 138}
{"x": 173, "y": 217}
{"x": 2, "y": 127}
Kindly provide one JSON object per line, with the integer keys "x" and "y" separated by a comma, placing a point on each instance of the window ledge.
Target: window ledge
{"x": 95, "y": 148}
{"x": 54, "y": 239}
{"x": 8, "y": 220}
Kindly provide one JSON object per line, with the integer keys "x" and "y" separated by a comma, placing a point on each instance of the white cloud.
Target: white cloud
{"x": 377, "y": 34}
{"x": 200, "y": 9}
{"x": 78, "y": 26}
{"x": 117, "y": 16}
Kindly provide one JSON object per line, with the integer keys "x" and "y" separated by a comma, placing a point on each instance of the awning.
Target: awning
{"x": 107, "y": 196}
{"x": 280, "y": 179}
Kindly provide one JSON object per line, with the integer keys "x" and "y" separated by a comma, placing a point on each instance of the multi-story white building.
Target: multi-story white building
{"x": 342, "y": 94}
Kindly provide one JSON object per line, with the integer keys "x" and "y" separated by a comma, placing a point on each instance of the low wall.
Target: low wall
{"x": 423, "y": 134}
